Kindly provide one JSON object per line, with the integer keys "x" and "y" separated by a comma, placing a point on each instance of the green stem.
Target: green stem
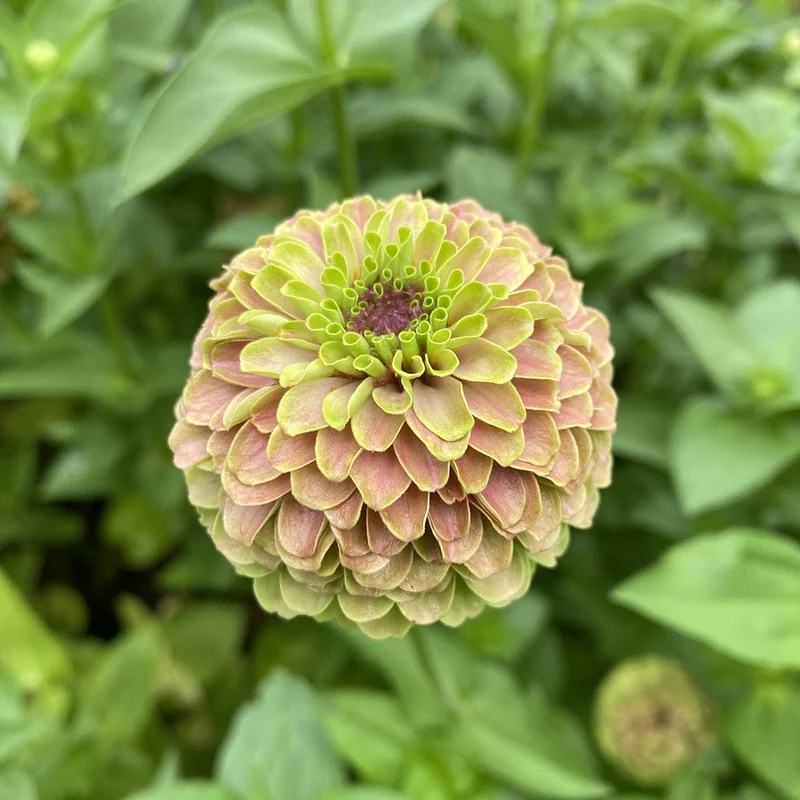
{"x": 538, "y": 90}
{"x": 345, "y": 143}
{"x": 667, "y": 79}
{"x": 116, "y": 333}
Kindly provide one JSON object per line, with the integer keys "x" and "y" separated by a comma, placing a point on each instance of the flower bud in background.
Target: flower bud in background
{"x": 396, "y": 411}
{"x": 651, "y": 720}
{"x": 41, "y": 55}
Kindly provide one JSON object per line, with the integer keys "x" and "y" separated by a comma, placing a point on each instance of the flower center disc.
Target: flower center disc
{"x": 386, "y": 310}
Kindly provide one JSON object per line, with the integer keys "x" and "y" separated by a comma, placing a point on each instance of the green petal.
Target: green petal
{"x": 484, "y": 362}
{"x": 499, "y": 404}
{"x": 440, "y": 405}
{"x": 301, "y": 408}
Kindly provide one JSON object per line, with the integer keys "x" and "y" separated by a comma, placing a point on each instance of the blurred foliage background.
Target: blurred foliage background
{"x": 654, "y": 143}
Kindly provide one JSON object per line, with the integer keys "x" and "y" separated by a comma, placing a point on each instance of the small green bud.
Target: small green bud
{"x": 790, "y": 44}
{"x": 41, "y": 55}
{"x": 651, "y": 720}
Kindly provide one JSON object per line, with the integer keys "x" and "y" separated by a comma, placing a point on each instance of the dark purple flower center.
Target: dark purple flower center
{"x": 387, "y": 310}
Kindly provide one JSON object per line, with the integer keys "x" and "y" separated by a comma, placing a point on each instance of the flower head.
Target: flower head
{"x": 395, "y": 411}
{"x": 651, "y": 720}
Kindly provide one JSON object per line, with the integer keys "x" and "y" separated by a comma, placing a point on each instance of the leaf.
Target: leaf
{"x": 14, "y": 117}
{"x": 277, "y": 748}
{"x": 242, "y": 231}
{"x": 711, "y": 333}
{"x": 528, "y": 753}
{"x": 376, "y": 24}
{"x": 643, "y": 425}
{"x": 18, "y": 785}
{"x": 28, "y": 651}
{"x": 249, "y": 69}
{"x": 720, "y": 455}
{"x": 363, "y": 793}
{"x": 655, "y": 238}
{"x": 636, "y": 14}
{"x": 371, "y": 731}
{"x": 764, "y": 730}
{"x": 120, "y": 693}
{"x": 738, "y": 591}
{"x": 400, "y": 663}
{"x": 186, "y": 790}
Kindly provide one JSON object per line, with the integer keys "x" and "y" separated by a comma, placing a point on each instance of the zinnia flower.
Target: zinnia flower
{"x": 651, "y": 720}
{"x": 396, "y": 410}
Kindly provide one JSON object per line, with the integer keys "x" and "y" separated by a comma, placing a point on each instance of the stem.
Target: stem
{"x": 667, "y": 79}
{"x": 345, "y": 144}
{"x": 538, "y": 90}
{"x": 116, "y": 333}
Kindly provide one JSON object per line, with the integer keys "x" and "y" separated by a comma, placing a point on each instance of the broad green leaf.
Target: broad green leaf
{"x": 636, "y": 14}
{"x": 371, "y": 731}
{"x": 14, "y": 113}
{"x": 764, "y": 731}
{"x": 712, "y": 335}
{"x": 528, "y": 751}
{"x": 276, "y": 748}
{"x": 400, "y": 662}
{"x": 377, "y": 112}
{"x": 643, "y": 425}
{"x": 249, "y": 69}
{"x": 120, "y": 693}
{"x": 363, "y": 793}
{"x": 375, "y": 24}
{"x": 720, "y": 455}
{"x": 242, "y": 231}
{"x": 186, "y": 790}
{"x": 28, "y": 651}
{"x": 18, "y": 785}
{"x": 737, "y": 590}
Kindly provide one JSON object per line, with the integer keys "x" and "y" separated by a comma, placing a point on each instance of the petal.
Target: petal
{"x": 538, "y": 395}
{"x": 302, "y": 598}
{"x": 335, "y": 453}
{"x": 381, "y": 540}
{"x": 392, "y": 398}
{"x": 363, "y": 609}
{"x": 493, "y": 554}
{"x": 248, "y": 459}
{"x": 567, "y": 465}
{"x": 483, "y": 361}
{"x": 406, "y": 517}
{"x": 311, "y": 488}
{"x": 288, "y": 453}
{"x": 346, "y": 514}
{"x": 271, "y": 356}
{"x": 373, "y": 428}
{"x": 429, "y": 607}
{"x": 380, "y": 478}
{"x": 508, "y": 326}
{"x": 498, "y": 404}
{"x": 226, "y": 365}
{"x": 504, "y": 497}
{"x": 536, "y": 360}
{"x": 541, "y": 438}
{"x": 246, "y": 495}
{"x": 460, "y": 550}
{"x": 502, "y": 446}
{"x": 440, "y": 406}
{"x": 244, "y": 522}
{"x": 575, "y": 411}
{"x": 343, "y": 402}
{"x": 299, "y": 528}
{"x": 473, "y": 470}
{"x": 427, "y": 472}
{"x": 390, "y": 576}
{"x": 506, "y": 265}
{"x": 206, "y": 395}
{"x": 533, "y": 504}
{"x": 300, "y": 409}
{"x": 439, "y": 448}
{"x": 576, "y": 373}
{"x": 501, "y": 588}
{"x": 188, "y": 443}
{"x": 449, "y": 521}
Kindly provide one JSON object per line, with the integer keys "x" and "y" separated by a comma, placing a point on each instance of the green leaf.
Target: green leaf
{"x": 375, "y": 24}
{"x": 28, "y": 651}
{"x": 764, "y": 731}
{"x": 63, "y": 299}
{"x": 371, "y": 731}
{"x": 17, "y": 785}
{"x": 643, "y": 425}
{"x": 720, "y": 455}
{"x": 526, "y": 747}
{"x": 363, "y": 793}
{"x": 737, "y": 590}
{"x": 249, "y": 69}
{"x": 400, "y": 663}
{"x": 277, "y": 748}
{"x": 186, "y": 790}
{"x": 120, "y": 693}
{"x": 712, "y": 335}
{"x": 242, "y": 231}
